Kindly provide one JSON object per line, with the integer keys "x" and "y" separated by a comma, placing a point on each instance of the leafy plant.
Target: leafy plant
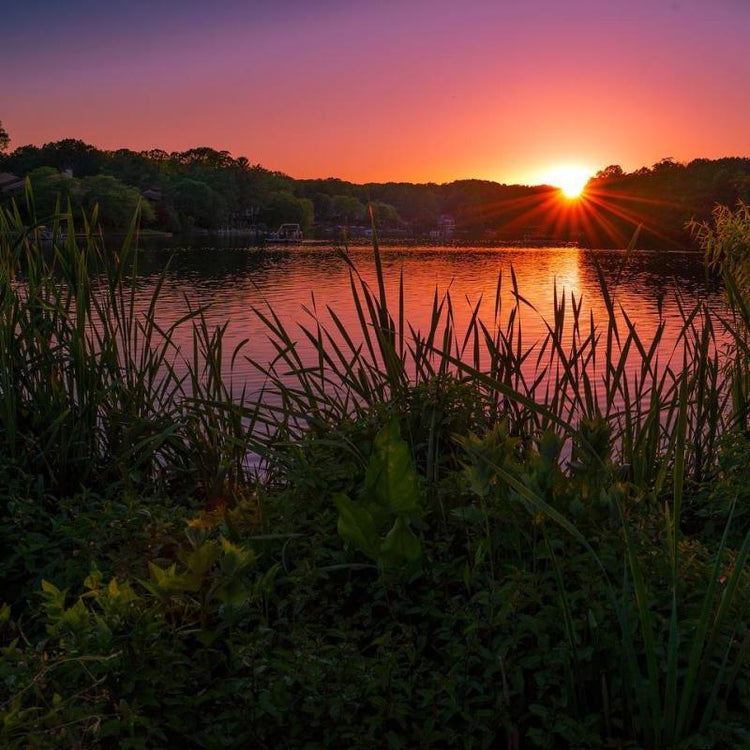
{"x": 389, "y": 499}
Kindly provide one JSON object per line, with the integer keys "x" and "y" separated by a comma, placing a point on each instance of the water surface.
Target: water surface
{"x": 294, "y": 280}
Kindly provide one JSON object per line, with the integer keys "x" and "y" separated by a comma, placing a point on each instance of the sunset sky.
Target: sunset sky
{"x": 417, "y": 90}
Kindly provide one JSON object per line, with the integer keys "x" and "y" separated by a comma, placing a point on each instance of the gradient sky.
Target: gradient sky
{"x": 418, "y": 90}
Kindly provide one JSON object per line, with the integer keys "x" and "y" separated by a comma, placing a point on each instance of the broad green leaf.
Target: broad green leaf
{"x": 356, "y": 525}
{"x": 164, "y": 577}
{"x": 235, "y": 558}
{"x": 200, "y": 559}
{"x": 116, "y": 602}
{"x": 400, "y": 545}
{"x": 550, "y": 446}
{"x": 391, "y": 479}
{"x": 165, "y": 581}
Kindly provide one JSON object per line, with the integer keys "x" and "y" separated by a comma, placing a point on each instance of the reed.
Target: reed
{"x": 664, "y": 418}
{"x": 580, "y": 370}
{"x": 93, "y": 389}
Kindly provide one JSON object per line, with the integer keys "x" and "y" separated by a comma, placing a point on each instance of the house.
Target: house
{"x": 446, "y": 228}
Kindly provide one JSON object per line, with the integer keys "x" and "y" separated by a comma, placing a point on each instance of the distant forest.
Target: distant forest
{"x": 205, "y": 189}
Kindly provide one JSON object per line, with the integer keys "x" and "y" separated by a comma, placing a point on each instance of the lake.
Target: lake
{"x": 232, "y": 278}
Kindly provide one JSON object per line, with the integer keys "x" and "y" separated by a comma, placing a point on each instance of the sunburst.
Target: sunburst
{"x": 570, "y": 178}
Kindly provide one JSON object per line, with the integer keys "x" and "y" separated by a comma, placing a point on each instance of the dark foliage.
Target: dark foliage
{"x": 202, "y": 188}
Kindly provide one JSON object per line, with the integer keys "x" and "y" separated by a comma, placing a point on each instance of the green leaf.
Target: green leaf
{"x": 470, "y": 515}
{"x": 235, "y": 592}
{"x": 400, "y": 545}
{"x": 391, "y": 480}
{"x": 200, "y": 559}
{"x": 53, "y": 602}
{"x": 165, "y": 582}
{"x": 235, "y": 558}
{"x": 76, "y": 618}
{"x": 550, "y": 446}
{"x": 356, "y": 524}
{"x": 93, "y": 581}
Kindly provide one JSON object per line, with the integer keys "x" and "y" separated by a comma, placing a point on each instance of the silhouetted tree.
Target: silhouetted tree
{"x": 70, "y": 153}
{"x": 282, "y": 207}
{"x": 205, "y": 188}
{"x": 197, "y": 204}
{"x": 4, "y": 138}
{"x": 117, "y": 201}
{"x": 385, "y": 214}
{"x": 612, "y": 172}
{"x": 347, "y": 209}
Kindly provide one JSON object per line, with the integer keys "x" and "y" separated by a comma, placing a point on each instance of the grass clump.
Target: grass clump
{"x": 457, "y": 539}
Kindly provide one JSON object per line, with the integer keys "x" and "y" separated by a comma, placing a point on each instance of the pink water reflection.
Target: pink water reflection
{"x": 233, "y": 280}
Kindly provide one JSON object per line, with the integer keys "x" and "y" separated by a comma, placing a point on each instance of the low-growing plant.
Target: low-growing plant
{"x": 389, "y": 499}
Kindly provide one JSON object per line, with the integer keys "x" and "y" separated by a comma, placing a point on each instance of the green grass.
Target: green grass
{"x": 456, "y": 537}
{"x": 89, "y": 385}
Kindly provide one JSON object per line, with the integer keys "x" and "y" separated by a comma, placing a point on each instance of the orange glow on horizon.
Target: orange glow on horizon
{"x": 518, "y": 89}
{"x": 597, "y": 214}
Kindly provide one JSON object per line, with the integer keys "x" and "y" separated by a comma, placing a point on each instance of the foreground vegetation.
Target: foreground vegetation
{"x": 450, "y": 539}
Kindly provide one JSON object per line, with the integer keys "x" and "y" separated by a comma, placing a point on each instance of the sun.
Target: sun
{"x": 571, "y": 179}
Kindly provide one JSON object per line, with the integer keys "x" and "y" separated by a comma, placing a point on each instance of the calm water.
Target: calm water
{"x": 290, "y": 279}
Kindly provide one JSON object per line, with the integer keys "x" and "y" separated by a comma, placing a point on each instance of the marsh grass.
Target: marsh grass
{"x": 664, "y": 416}
{"x": 580, "y": 369}
{"x": 95, "y": 392}
{"x": 91, "y": 390}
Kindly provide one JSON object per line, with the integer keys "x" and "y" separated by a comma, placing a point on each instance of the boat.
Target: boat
{"x": 286, "y": 233}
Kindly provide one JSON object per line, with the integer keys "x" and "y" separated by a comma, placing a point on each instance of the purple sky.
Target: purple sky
{"x": 411, "y": 90}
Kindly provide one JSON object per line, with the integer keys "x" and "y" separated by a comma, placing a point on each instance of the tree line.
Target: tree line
{"x": 206, "y": 189}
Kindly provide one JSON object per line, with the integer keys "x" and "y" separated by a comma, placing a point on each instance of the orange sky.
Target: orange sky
{"x": 415, "y": 90}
